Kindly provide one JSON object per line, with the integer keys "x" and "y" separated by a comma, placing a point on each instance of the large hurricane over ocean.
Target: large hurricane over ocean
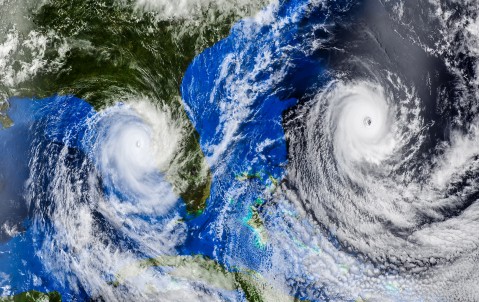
{"x": 293, "y": 150}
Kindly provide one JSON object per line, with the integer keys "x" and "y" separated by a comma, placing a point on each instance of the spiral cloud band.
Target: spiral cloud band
{"x": 318, "y": 150}
{"x": 134, "y": 146}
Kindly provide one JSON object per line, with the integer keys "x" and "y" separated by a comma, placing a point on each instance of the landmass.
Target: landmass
{"x": 33, "y": 296}
{"x": 201, "y": 268}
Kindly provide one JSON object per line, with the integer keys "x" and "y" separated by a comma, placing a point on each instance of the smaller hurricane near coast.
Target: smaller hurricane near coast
{"x": 239, "y": 150}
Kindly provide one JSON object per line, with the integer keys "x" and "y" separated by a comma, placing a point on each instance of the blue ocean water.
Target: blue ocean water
{"x": 251, "y": 77}
{"x": 47, "y": 120}
{"x": 235, "y": 94}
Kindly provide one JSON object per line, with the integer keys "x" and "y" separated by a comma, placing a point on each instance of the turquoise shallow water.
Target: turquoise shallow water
{"x": 243, "y": 177}
{"x": 307, "y": 200}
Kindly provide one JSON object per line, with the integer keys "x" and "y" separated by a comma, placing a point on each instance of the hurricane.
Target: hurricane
{"x": 293, "y": 150}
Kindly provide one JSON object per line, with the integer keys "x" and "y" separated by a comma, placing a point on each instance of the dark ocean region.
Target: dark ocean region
{"x": 327, "y": 153}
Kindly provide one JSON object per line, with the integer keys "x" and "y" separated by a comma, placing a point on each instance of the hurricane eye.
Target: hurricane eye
{"x": 367, "y": 121}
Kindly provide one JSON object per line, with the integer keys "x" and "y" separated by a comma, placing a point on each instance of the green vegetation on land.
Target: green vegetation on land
{"x": 33, "y": 296}
{"x": 109, "y": 51}
{"x": 200, "y": 268}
